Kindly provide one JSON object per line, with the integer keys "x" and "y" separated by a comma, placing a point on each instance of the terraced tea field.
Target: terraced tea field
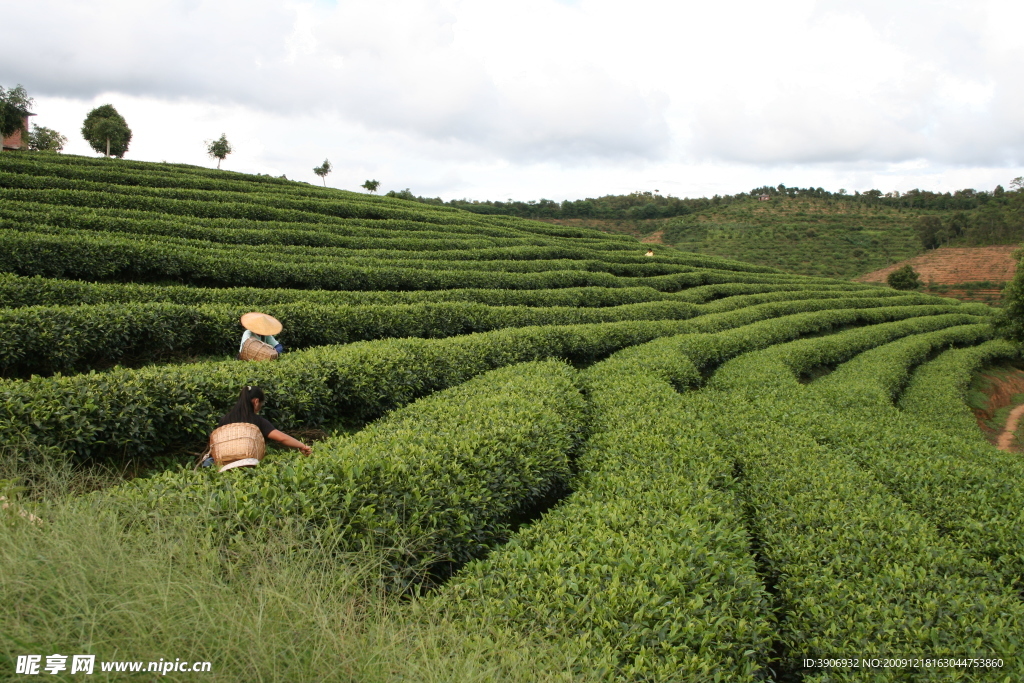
{"x": 678, "y": 468}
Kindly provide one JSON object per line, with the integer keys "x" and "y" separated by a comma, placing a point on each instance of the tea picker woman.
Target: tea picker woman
{"x": 261, "y": 328}
{"x": 239, "y": 440}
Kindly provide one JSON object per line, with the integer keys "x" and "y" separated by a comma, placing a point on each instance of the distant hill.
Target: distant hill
{"x": 809, "y": 231}
{"x": 828, "y": 237}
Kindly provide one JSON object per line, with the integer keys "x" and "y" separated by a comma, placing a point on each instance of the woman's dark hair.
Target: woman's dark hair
{"x": 242, "y": 410}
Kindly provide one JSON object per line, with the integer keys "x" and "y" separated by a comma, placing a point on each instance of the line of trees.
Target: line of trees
{"x": 644, "y": 205}
{"x": 107, "y": 132}
{"x": 104, "y": 128}
{"x": 1000, "y": 220}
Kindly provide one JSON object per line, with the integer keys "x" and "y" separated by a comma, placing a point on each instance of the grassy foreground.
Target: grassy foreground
{"x": 285, "y": 609}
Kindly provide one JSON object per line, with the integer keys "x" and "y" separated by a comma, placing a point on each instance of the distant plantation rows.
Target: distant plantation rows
{"x": 42, "y": 340}
{"x": 665, "y": 468}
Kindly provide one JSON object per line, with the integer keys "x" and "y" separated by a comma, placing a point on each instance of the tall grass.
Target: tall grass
{"x": 81, "y": 581}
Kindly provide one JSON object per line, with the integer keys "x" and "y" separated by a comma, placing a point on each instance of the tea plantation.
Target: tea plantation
{"x": 678, "y": 468}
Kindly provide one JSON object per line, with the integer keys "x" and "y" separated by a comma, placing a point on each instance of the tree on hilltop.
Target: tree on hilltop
{"x": 323, "y": 170}
{"x": 219, "y": 149}
{"x": 14, "y": 104}
{"x": 904, "y": 278}
{"x": 371, "y": 185}
{"x": 43, "y": 139}
{"x": 106, "y": 131}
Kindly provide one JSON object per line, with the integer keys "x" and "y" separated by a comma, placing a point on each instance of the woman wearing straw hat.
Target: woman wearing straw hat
{"x": 246, "y": 411}
{"x": 262, "y": 328}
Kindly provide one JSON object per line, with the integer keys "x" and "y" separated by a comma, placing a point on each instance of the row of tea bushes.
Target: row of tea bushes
{"x": 146, "y": 173}
{"x": 516, "y": 259}
{"x": 29, "y": 217}
{"x": 646, "y": 568}
{"x": 44, "y": 340}
{"x": 137, "y": 413}
{"x": 62, "y": 175}
{"x": 17, "y": 291}
{"x": 346, "y": 241}
{"x": 266, "y": 206}
{"x": 216, "y": 204}
{"x": 100, "y": 257}
{"x": 495, "y": 232}
{"x": 937, "y": 393}
{"x": 294, "y": 201}
{"x": 855, "y": 569}
{"x": 647, "y": 565}
{"x": 955, "y": 479}
{"x": 435, "y": 482}
{"x": 395, "y": 245}
{"x": 878, "y": 377}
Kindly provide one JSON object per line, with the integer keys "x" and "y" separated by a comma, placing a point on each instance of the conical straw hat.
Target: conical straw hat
{"x": 261, "y": 323}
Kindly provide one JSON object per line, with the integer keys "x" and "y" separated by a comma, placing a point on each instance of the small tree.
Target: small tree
{"x": 904, "y": 278}
{"x": 371, "y": 185}
{"x": 929, "y": 231}
{"x": 322, "y": 171}
{"x": 106, "y": 131}
{"x": 43, "y": 139}
{"x": 14, "y": 104}
{"x": 1009, "y": 321}
{"x": 219, "y": 149}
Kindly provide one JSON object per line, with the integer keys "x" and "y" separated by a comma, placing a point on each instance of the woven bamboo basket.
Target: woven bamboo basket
{"x": 254, "y": 349}
{"x": 236, "y": 441}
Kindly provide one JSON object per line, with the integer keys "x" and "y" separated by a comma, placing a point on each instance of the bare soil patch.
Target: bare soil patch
{"x": 956, "y": 265}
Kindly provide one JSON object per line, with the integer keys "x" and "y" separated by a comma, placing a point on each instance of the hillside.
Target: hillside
{"x": 539, "y": 454}
{"x": 808, "y": 230}
{"x": 805, "y": 235}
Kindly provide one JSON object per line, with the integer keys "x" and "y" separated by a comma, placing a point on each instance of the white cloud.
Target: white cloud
{"x": 541, "y": 97}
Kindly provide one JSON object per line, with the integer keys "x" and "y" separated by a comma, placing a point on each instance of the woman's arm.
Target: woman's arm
{"x": 285, "y": 440}
{"x": 272, "y": 340}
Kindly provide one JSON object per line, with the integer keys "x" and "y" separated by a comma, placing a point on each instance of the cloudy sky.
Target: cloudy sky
{"x": 560, "y": 99}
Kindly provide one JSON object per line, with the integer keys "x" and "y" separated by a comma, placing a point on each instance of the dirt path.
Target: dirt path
{"x": 993, "y": 390}
{"x": 1006, "y": 438}
{"x": 654, "y": 238}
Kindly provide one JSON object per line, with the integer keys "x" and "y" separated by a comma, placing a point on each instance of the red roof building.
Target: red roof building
{"x": 19, "y": 138}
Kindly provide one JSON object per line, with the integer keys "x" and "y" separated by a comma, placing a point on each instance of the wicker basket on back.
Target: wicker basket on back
{"x": 236, "y": 441}
{"x": 254, "y": 349}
